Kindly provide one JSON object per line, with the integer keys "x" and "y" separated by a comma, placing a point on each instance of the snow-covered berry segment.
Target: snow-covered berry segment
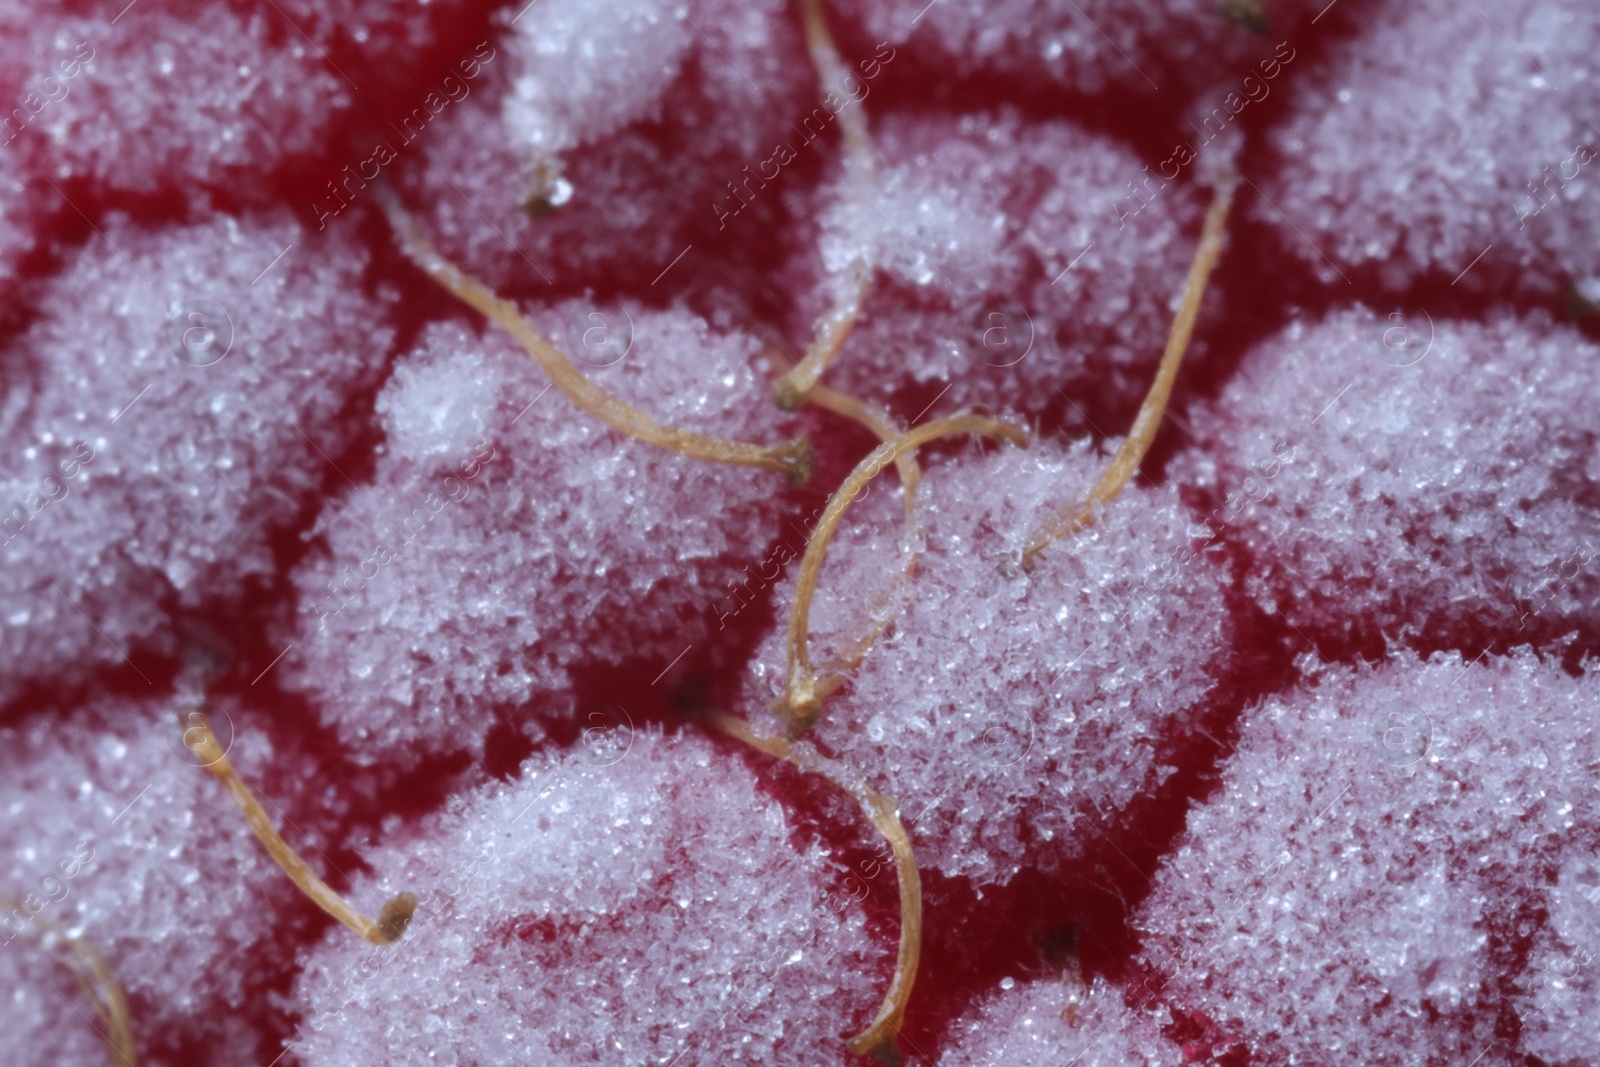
{"x": 1411, "y": 478}
{"x": 1057, "y": 1023}
{"x": 22, "y": 211}
{"x": 1561, "y": 997}
{"x": 1443, "y": 132}
{"x": 39, "y": 1017}
{"x": 509, "y": 535}
{"x": 164, "y": 99}
{"x": 114, "y": 833}
{"x": 391, "y": 54}
{"x": 1358, "y": 888}
{"x": 170, "y": 409}
{"x": 585, "y": 70}
{"x": 638, "y": 902}
{"x": 600, "y": 162}
{"x": 1085, "y": 46}
{"x": 1022, "y": 263}
{"x": 1016, "y": 718}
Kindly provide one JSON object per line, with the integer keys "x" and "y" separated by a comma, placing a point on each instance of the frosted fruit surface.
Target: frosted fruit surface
{"x": 505, "y": 529}
{"x": 1506, "y": 91}
{"x": 1400, "y": 478}
{"x": 1008, "y": 715}
{"x": 600, "y": 139}
{"x": 111, "y": 831}
{"x": 1560, "y": 997}
{"x": 171, "y": 408}
{"x": 1053, "y": 1023}
{"x": 607, "y": 903}
{"x": 1358, "y": 886}
{"x": 1288, "y": 755}
{"x": 221, "y": 100}
{"x": 1093, "y": 46}
{"x": 1014, "y": 264}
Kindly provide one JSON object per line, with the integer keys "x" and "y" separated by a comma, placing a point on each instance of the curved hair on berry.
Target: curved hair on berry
{"x": 96, "y": 980}
{"x": 873, "y": 418}
{"x": 879, "y": 1040}
{"x": 1074, "y": 518}
{"x": 392, "y": 921}
{"x": 833, "y": 327}
{"x": 803, "y": 690}
{"x": 792, "y": 458}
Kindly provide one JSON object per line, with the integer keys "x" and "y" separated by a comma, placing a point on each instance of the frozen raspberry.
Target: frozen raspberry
{"x": 1015, "y": 266}
{"x": 601, "y": 164}
{"x": 114, "y": 833}
{"x": 1401, "y": 168}
{"x": 162, "y": 100}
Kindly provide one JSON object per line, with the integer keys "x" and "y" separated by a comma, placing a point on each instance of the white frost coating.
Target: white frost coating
{"x": 132, "y": 476}
{"x": 1561, "y": 996}
{"x": 624, "y": 904}
{"x": 1009, "y": 714}
{"x": 123, "y": 840}
{"x": 438, "y": 408}
{"x": 586, "y": 68}
{"x": 1049, "y": 1023}
{"x": 640, "y": 168}
{"x": 1088, "y": 46}
{"x": 19, "y": 212}
{"x": 1340, "y": 899}
{"x": 459, "y": 587}
{"x": 1396, "y": 478}
{"x": 1014, "y": 262}
{"x": 1410, "y": 148}
{"x": 217, "y": 98}
{"x": 1353, "y": 890}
